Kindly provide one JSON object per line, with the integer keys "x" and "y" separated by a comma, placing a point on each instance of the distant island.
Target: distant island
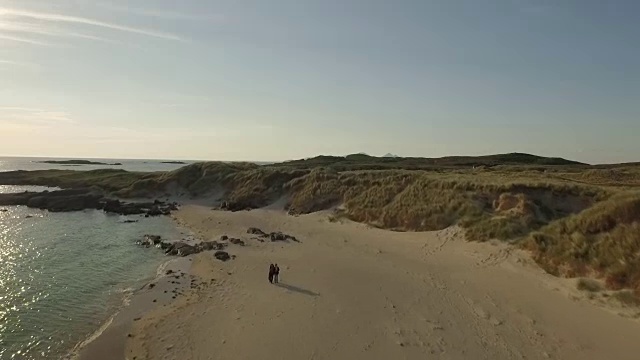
{"x": 174, "y": 162}
{"x": 76, "y": 162}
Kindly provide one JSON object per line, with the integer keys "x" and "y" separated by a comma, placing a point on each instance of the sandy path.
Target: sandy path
{"x": 352, "y": 292}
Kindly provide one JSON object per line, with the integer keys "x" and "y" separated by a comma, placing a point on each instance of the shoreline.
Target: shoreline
{"x": 109, "y": 341}
{"x": 111, "y": 335}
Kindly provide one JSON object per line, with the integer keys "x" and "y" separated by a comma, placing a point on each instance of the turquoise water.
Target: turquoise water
{"x": 64, "y": 274}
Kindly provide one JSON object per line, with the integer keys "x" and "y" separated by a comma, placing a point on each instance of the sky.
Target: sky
{"x": 285, "y": 79}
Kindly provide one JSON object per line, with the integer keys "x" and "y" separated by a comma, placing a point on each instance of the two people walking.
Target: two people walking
{"x": 274, "y": 273}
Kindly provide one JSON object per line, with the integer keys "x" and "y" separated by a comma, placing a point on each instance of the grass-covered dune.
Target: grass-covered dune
{"x": 577, "y": 219}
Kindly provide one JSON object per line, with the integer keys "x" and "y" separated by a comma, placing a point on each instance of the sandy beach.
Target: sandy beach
{"x": 349, "y": 291}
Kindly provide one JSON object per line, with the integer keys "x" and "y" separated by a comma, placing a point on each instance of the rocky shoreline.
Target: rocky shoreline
{"x": 81, "y": 199}
{"x": 184, "y": 248}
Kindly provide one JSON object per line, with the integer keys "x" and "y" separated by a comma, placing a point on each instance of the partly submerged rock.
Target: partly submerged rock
{"x": 181, "y": 249}
{"x": 150, "y": 240}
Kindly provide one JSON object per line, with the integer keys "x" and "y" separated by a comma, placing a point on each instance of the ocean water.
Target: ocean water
{"x": 64, "y": 274}
{"x": 27, "y": 163}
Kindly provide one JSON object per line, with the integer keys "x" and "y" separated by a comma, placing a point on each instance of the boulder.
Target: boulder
{"x": 150, "y": 240}
{"x": 236, "y": 241}
{"x": 210, "y": 245}
{"x": 222, "y": 255}
{"x": 256, "y": 231}
{"x": 180, "y": 249}
{"x": 155, "y": 211}
{"x": 111, "y": 206}
{"x": 279, "y": 236}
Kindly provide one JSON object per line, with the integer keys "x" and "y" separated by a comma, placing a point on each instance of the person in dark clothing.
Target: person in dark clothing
{"x": 272, "y": 272}
{"x": 276, "y": 274}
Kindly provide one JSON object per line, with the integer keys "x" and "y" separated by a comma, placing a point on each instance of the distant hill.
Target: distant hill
{"x": 390, "y": 155}
{"x": 364, "y": 161}
{"x": 76, "y": 162}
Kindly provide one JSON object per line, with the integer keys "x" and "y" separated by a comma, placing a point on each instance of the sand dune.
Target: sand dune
{"x": 352, "y": 292}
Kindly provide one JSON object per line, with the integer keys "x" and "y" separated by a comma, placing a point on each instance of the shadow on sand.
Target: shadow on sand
{"x": 297, "y": 289}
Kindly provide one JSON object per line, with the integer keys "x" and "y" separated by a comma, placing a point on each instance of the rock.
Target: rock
{"x": 222, "y": 255}
{"x": 28, "y": 216}
{"x": 169, "y": 272}
{"x": 236, "y": 241}
{"x": 155, "y": 211}
{"x": 256, "y": 231}
{"x": 274, "y": 236}
{"x": 224, "y": 238}
{"x": 181, "y": 249}
{"x": 279, "y": 236}
{"x": 4, "y": 210}
{"x": 150, "y": 240}
{"x": 129, "y": 221}
{"x": 151, "y": 286}
{"x": 210, "y": 245}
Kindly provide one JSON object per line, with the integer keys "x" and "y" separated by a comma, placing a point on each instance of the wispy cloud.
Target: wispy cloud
{"x": 52, "y": 17}
{"x": 25, "y": 64}
{"x": 23, "y": 40}
{"x": 162, "y": 14}
{"x": 34, "y": 115}
{"x": 33, "y": 29}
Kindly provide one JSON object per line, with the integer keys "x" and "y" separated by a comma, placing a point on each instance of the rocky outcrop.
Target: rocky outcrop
{"x": 150, "y": 240}
{"x": 256, "y": 231}
{"x": 181, "y": 248}
{"x": 236, "y": 241}
{"x": 274, "y": 236}
{"x": 81, "y": 199}
{"x": 210, "y": 245}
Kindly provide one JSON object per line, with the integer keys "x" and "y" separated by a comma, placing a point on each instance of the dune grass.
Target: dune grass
{"x": 627, "y": 298}
{"x": 576, "y": 220}
{"x": 603, "y": 239}
{"x": 590, "y": 285}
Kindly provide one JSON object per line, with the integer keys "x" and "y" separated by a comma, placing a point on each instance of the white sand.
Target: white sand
{"x": 352, "y": 292}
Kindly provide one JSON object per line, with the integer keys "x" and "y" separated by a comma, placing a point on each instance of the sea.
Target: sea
{"x": 62, "y": 275}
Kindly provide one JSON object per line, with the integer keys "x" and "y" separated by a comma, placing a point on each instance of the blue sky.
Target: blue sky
{"x": 276, "y": 80}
